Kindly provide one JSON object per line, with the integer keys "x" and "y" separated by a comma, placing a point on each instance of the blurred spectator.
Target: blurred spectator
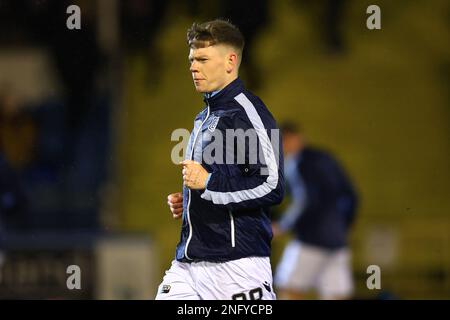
{"x": 77, "y": 59}
{"x": 320, "y": 215}
{"x": 17, "y": 130}
{"x": 17, "y": 141}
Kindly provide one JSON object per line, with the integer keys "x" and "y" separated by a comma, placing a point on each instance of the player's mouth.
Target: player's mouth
{"x": 198, "y": 81}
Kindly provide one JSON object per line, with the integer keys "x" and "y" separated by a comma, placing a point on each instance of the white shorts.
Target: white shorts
{"x": 304, "y": 267}
{"x": 242, "y": 279}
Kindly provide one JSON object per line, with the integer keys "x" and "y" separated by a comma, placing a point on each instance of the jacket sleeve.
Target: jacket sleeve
{"x": 298, "y": 203}
{"x": 246, "y": 183}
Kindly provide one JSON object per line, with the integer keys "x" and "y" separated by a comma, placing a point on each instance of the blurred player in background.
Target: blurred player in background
{"x": 226, "y": 233}
{"x": 320, "y": 216}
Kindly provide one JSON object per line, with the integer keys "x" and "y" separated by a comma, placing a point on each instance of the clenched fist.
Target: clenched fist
{"x": 175, "y": 202}
{"x": 194, "y": 175}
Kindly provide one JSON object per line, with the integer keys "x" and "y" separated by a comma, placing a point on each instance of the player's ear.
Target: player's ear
{"x": 232, "y": 61}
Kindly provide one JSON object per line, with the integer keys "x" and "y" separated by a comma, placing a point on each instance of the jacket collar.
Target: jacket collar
{"x": 226, "y": 94}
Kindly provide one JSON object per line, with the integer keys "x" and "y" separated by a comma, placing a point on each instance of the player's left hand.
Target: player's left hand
{"x": 194, "y": 175}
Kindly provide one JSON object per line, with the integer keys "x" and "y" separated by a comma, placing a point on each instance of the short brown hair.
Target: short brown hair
{"x": 218, "y": 31}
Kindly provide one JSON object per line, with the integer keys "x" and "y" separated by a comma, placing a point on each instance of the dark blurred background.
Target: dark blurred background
{"x": 86, "y": 118}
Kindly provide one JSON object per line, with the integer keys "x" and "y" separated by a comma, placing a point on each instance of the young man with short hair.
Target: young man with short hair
{"x": 224, "y": 248}
{"x": 320, "y": 216}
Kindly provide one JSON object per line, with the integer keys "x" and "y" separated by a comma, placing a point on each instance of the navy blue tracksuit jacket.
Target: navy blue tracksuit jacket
{"x": 323, "y": 199}
{"x": 229, "y": 219}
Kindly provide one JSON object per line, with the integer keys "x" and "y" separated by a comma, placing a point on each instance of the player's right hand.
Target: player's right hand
{"x": 175, "y": 202}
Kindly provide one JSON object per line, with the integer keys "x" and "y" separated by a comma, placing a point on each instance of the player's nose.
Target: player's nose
{"x": 194, "y": 67}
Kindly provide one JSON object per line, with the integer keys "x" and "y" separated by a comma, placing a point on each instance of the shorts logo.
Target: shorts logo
{"x": 165, "y": 288}
{"x": 212, "y": 126}
{"x": 267, "y": 286}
